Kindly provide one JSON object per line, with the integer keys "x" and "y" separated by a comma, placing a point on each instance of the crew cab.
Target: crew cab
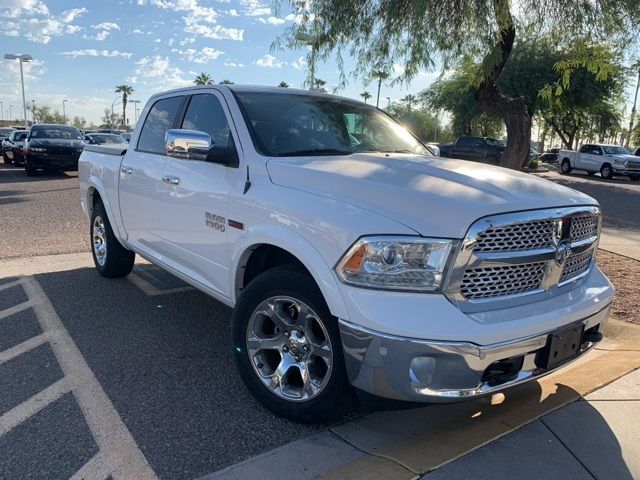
{"x": 483, "y": 149}
{"x": 51, "y": 147}
{"x": 351, "y": 262}
{"x": 609, "y": 160}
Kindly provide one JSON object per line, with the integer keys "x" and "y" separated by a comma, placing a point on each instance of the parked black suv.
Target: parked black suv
{"x": 483, "y": 149}
{"x": 550, "y": 156}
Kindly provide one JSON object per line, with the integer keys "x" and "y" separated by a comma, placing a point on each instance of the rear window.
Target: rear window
{"x": 160, "y": 119}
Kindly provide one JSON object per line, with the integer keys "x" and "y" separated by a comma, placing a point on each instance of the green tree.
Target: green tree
{"x": 365, "y": 96}
{"x": 79, "y": 122}
{"x": 319, "y": 84}
{"x": 109, "y": 119}
{"x": 203, "y": 79}
{"x": 226, "y": 82}
{"x": 284, "y": 84}
{"x": 380, "y": 75}
{"x": 409, "y": 100}
{"x": 125, "y": 90}
{"x": 417, "y": 33}
{"x": 44, "y": 114}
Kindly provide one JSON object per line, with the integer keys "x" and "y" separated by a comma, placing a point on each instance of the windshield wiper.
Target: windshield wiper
{"x": 314, "y": 151}
{"x": 397, "y": 151}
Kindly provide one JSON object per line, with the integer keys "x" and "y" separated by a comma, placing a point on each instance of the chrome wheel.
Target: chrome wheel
{"x": 99, "y": 240}
{"x": 289, "y": 348}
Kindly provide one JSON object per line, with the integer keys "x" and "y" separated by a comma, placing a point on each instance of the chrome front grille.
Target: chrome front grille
{"x": 489, "y": 282}
{"x": 576, "y": 265}
{"x": 513, "y": 258}
{"x": 583, "y": 227}
{"x": 520, "y": 236}
{"x": 633, "y": 164}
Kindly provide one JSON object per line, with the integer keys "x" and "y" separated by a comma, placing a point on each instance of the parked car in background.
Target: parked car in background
{"x": 637, "y": 152}
{"x": 550, "y": 156}
{"x": 482, "y": 149}
{"x": 4, "y": 134}
{"x": 52, "y": 147}
{"x": 104, "y": 138}
{"x": 12, "y": 147}
{"x": 349, "y": 261}
{"x": 609, "y": 160}
{"x": 126, "y": 136}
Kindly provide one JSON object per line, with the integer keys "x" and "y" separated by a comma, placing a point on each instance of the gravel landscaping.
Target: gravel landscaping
{"x": 624, "y": 273}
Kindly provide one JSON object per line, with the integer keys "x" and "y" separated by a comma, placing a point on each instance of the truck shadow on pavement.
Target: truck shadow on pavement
{"x": 165, "y": 363}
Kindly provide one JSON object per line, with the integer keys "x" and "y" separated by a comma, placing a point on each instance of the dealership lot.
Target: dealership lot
{"x": 135, "y": 376}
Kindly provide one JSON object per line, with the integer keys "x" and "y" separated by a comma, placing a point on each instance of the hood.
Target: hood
{"x": 433, "y": 196}
{"x": 626, "y": 157}
{"x": 56, "y": 142}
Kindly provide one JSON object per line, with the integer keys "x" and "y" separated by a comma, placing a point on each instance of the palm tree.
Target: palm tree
{"x": 366, "y": 96}
{"x": 203, "y": 79}
{"x": 226, "y": 82}
{"x": 284, "y": 84}
{"x": 409, "y": 100}
{"x": 125, "y": 90}
{"x": 380, "y": 75}
{"x": 319, "y": 84}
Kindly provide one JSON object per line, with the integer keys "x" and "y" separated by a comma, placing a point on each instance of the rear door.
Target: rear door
{"x": 200, "y": 194}
{"x": 464, "y": 147}
{"x": 142, "y": 193}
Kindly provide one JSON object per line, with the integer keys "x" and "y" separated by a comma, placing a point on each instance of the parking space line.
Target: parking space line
{"x": 95, "y": 469}
{"x": 8, "y": 285}
{"x": 23, "y": 347}
{"x": 29, "y": 408}
{"x": 7, "y": 312}
{"x": 121, "y": 453}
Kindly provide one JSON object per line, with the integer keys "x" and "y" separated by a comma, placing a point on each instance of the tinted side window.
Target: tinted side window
{"x": 466, "y": 142}
{"x": 585, "y": 149}
{"x": 160, "y": 119}
{"x": 205, "y": 114}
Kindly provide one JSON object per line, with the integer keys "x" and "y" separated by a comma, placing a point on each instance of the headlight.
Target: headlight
{"x": 38, "y": 150}
{"x": 619, "y": 162}
{"x": 396, "y": 263}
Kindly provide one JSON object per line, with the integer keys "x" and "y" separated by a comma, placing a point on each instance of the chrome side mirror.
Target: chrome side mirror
{"x": 187, "y": 144}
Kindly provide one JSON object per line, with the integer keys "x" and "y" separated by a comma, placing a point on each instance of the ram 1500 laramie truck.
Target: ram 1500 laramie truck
{"x": 609, "y": 160}
{"x": 351, "y": 256}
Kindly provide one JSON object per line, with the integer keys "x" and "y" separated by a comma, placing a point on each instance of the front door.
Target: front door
{"x": 199, "y": 197}
{"x": 142, "y": 192}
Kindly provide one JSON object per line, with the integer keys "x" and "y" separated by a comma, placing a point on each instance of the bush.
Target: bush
{"x": 533, "y": 164}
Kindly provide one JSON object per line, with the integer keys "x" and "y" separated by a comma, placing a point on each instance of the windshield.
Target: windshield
{"x": 494, "y": 142}
{"x": 56, "y": 131}
{"x": 299, "y": 125}
{"x": 616, "y": 150}
{"x": 100, "y": 139}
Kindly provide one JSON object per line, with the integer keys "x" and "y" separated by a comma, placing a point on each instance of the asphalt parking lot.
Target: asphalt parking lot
{"x": 135, "y": 374}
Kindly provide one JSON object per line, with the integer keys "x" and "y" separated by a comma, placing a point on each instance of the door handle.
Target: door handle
{"x": 125, "y": 170}
{"x": 170, "y": 179}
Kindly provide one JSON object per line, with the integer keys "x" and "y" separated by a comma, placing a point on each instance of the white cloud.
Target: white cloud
{"x": 233, "y": 12}
{"x": 15, "y": 8}
{"x": 300, "y": 63}
{"x": 101, "y": 36}
{"x": 106, "y": 26}
{"x": 158, "y": 72}
{"x": 254, "y": 8}
{"x": 137, "y": 31}
{"x": 199, "y": 56}
{"x": 228, "y": 63}
{"x": 216, "y": 32}
{"x": 269, "y": 61}
{"x": 92, "y": 52}
{"x": 192, "y": 7}
{"x": 38, "y": 25}
{"x": 272, "y": 20}
{"x": 33, "y": 70}
{"x": 187, "y": 41}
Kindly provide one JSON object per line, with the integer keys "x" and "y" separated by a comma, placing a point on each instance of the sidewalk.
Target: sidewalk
{"x": 622, "y": 242}
{"x": 595, "y": 437}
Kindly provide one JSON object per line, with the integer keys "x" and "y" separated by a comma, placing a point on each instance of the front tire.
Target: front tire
{"x": 634, "y": 178}
{"x": 566, "y": 166}
{"x": 288, "y": 349}
{"x": 606, "y": 171}
{"x": 111, "y": 259}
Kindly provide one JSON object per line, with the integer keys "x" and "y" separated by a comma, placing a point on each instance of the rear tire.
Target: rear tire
{"x": 565, "y": 166}
{"x": 282, "y": 327}
{"x": 606, "y": 171}
{"x": 634, "y": 178}
{"x": 6, "y": 159}
{"x": 111, "y": 259}
{"x": 30, "y": 171}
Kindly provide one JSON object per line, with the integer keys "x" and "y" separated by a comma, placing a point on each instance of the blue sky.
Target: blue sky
{"x": 82, "y": 49}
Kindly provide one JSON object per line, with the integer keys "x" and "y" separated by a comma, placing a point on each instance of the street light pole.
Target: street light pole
{"x": 10, "y": 114}
{"x": 22, "y": 59}
{"x": 1, "y": 113}
{"x": 388, "y": 103}
{"x": 33, "y": 110}
{"x": 64, "y": 111}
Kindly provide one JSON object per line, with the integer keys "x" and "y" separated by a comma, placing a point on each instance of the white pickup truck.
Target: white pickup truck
{"x": 352, "y": 257}
{"x": 609, "y": 160}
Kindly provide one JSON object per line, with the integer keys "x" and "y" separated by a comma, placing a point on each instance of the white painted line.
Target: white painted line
{"x": 23, "y": 347}
{"x": 95, "y": 469}
{"x": 25, "y": 410}
{"x": 7, "y": 312}
{"x": 120, "y": 450}
{"x": 151, "y": 290}
{"x": 8, "y": 285}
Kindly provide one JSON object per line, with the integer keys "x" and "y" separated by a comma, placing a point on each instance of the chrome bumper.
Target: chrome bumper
{"x": 421, "y": 370}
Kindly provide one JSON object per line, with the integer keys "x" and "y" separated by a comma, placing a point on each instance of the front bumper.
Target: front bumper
{"x": 625, "y": 171}
{"x": 434, "y": 371}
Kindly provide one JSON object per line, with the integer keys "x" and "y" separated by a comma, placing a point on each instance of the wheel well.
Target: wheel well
{"x": 93, "y": 198}
{"x": 605, "y": 164}
{"x": 260, "y": 258}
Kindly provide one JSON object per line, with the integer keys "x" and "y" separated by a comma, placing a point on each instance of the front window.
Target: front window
{"x": 616, "y": 151}
{"x": 495, "y": 143}
{"x": 56, "y": 131}
{"x": 283, "y": 125}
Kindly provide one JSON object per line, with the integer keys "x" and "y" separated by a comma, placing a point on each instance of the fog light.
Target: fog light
{"x": 421, "y": 371}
